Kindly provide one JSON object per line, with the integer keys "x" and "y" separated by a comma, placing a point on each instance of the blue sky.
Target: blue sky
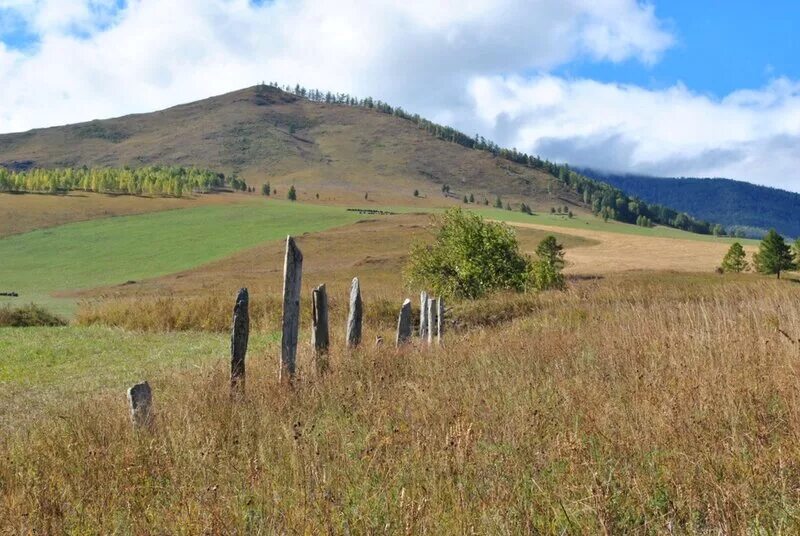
{"x": 720, "y": 46}
{"x": 675, "y": 88}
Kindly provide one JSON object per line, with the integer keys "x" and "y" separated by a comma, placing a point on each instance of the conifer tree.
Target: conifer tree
{"x": 774, "y": 255}
{"x": 735, "y": 259}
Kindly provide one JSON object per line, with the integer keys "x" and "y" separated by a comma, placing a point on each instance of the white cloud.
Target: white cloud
{"x": 417, "y": 53}
{"x": 749, "y": 134}
{"x": 461, "y": 62}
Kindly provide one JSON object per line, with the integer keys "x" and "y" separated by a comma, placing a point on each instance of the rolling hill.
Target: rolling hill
{"x": 735, "y": 204}
{"x": 264, "y": 134}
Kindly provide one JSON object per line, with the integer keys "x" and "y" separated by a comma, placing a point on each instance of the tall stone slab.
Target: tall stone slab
{"x": 355, "y": 316}
{"x": 432, "y": 311}
{"x": 240, "y": 333}
{"x": 320, "y": 336}
{"x": 292, "y": 278}
{"x": 404, "y": 325}
{"x": 439, "y": 321}
{"x": 423, "y": 315}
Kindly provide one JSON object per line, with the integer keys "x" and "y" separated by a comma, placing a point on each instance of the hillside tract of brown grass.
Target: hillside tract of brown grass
{"x": 638, "y": 403}
{"x": 339, "y": 152}
{"x": 613, "y": 252}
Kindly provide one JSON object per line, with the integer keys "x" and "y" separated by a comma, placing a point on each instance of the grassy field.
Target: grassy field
{"x": 43, "y": 367}
{"x": 588, "y": 222}
{"x": 637, "y": 403}
{"x": 116, "y": 250}
{"x": 20, "y": 213}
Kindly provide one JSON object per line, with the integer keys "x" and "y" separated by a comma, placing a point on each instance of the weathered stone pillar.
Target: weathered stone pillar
{"x": 240, "y": 333}
{"x": 140, "y": 398}
{"x": 355, "y": 317}
{"x": 439, "y": 321}
{"x": 404, "y": 324}
{"x": 292, "y": 277}
{"x": 423, "y": 314}
{"x": 432, "y": 319}
{"x": 320, "y": 337}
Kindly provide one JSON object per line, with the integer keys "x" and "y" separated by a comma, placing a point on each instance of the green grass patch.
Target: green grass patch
{"x": 41, "y": 367}
{"x": 592, "y": 223}
{"x": 90, "y": 358}
{"x": 115, "y": 250}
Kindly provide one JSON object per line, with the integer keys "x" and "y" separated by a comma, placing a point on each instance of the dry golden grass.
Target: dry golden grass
{"x": 613, "y": 252}
{"x": 638, "y": 403}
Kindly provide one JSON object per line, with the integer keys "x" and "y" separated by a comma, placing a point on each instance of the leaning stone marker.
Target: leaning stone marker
{"x": 423, "y": 314}
{"x": 354, "y": 318}
{"x": 404, "y": 324}
{"x": 140, "y": 398}
{"x": 292, "y": 275}
{"x": 439, "y": 320}
{"x": 240, "y": 333}
{"x": 320, "y": 338}
{"x": 431, "y": 313}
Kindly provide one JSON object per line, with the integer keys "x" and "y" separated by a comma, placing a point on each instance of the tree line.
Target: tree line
{"x": 774, "y": 256}
{"x": 605, "y": 200}
{"x": 152, "y": 180}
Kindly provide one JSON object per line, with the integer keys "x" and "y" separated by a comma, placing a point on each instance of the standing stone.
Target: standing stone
{"x": 320, "y": 338}
{"x": 140, "y": 398}
{"x": 439, "y": 321}
{"x": 354, "y": 318}
{"x": 292, "y": 275}
{"x": 404, "y": 324}
{"x": 432, "y": 316}
{"x": 423, "y": 314}
{"x": 240, "y": 333}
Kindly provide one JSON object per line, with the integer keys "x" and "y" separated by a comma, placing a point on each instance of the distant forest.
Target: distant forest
{"x": 743, "y": 208}
{"x": 605, "y": 200}
{"x": 154, "y": 180}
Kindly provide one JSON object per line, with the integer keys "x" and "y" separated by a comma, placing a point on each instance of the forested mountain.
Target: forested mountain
{"x": 330, "y": 143}
{"x": 739, "y": 206}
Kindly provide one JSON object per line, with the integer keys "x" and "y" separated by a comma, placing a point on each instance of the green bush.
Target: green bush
{"x": 548, "y": 265}
{"x": 28, "y": 316}
{"x": 469, "y": 258}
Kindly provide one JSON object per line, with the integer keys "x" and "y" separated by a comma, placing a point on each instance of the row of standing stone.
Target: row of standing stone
{"x": 431, "y": 329}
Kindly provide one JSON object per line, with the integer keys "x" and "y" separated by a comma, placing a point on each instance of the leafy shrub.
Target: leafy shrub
{"x": 548, "y": 265}
{"x": 469, "y": 258}
{"x": 29, "y": 316}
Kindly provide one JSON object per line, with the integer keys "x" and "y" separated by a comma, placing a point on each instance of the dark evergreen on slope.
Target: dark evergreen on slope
{"x": 735, "y": 204}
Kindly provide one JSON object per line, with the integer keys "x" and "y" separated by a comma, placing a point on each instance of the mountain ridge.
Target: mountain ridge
{"x": 323, "y": 142}
{"x": 738, "y": 205}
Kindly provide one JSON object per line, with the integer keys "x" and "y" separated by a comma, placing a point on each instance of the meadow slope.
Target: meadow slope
{"x": 117, "y": 250}
{"x": 637, "y": 403}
